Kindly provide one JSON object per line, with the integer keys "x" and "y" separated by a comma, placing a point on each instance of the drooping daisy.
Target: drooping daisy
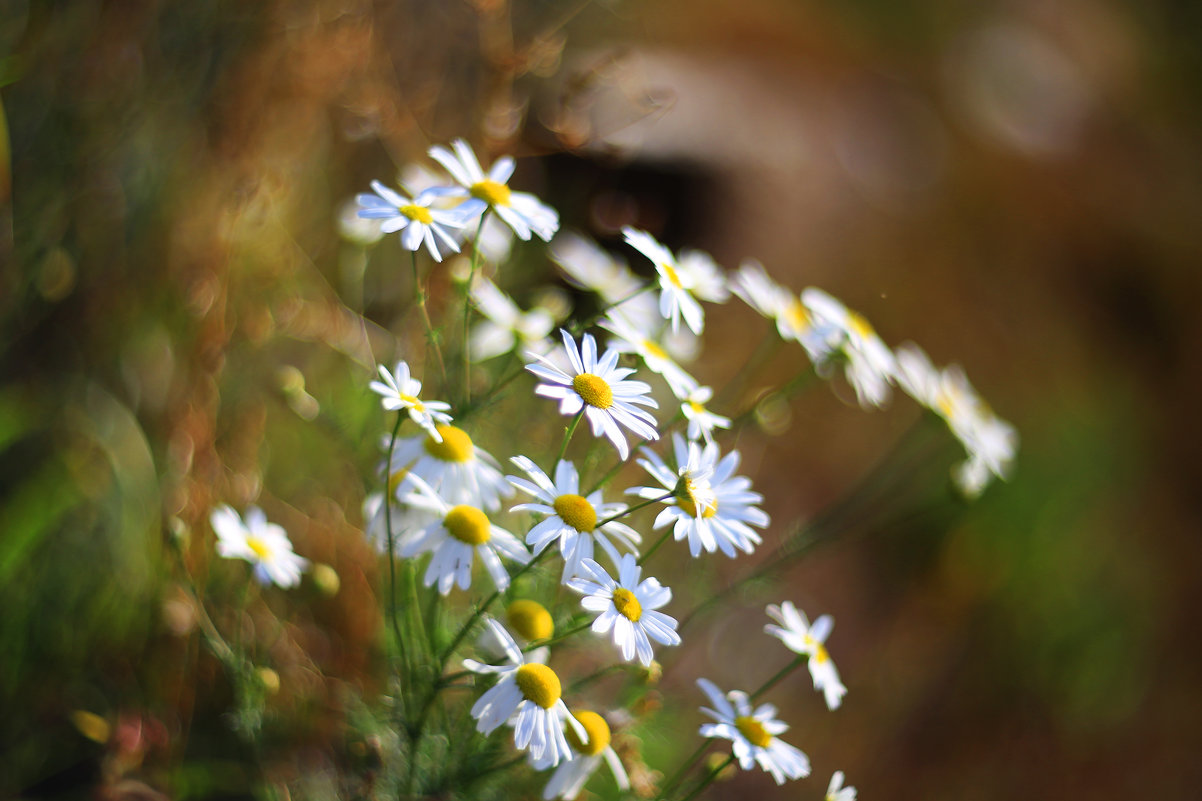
{"x": 265, "y": 545}
{"x": 505, "y": 326}
{"x": 835, "y": 791}
{"x": 529, "y": 693}
{"x": 694, "y": 274}
{"x": 870, "y": 363}
{"x": 416, "y": 218}
{"x": 751, "y": 283}
{"x": 459, "y": 470}
{"x": 398, "y": 390}
{"x": 712, "y": 507}
{"x": 753, "y": 733}
{"x": 628, "y": 338}
{"x": 600, "y": 388}
{"x": 521, "y": 211}
{"x": 571, "y": 519}
{"x": 571, "y": 776}
{"x": 702, "y": 421}
{"x": 458, "y": 534}
{"x": 627, "y": 607}
{"x": 800, "y": 637}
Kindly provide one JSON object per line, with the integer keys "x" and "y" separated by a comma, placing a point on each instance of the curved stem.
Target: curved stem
{"x": 431, "y": 335}
{"x": 709, "y": 778}
{"x": 567, "y": 436}
{"x": 392, "y": 602}
{"x": 662, "y": 538}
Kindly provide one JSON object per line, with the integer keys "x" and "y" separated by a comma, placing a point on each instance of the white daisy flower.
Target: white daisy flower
{"x": 627, "y": 607}
{"x": 870, "y": 364}
{"x": 753, "y": 733}
{"x": 702, "y": 421}
{"x": 265, "y": 545}
{"x": 835, "y": 791}
{"x": 800, "y": 637}
{"x": 571, "y": 519}
{"x": 629, "y": 338}
{"x": 456, "y": 468}
{"x": 695, "y": 273}
{"x": 599, "y": 388}
{"x": 713, "y": 508}
{"x": 418, "y": 219}
{"x": 589, "y": 266}
{"x": 521, "y": 211}
{"x": 398, "y": 390}
{"x": 571, "y": 776}
{"x": 505, "y": 325}
{"x": 751, "y": 283}
{"x": 458, "y": 534}
{"x": 529, "y": 695}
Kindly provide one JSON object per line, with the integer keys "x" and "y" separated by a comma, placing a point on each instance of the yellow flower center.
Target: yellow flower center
{"x": 418, "y": 213}
{"x": 672, "y": 275}
{"x": 491, "y": 192}
{"x": 530, "y": 619}
{"x": 594, "y": 727}
{"x": 593, "y": 390}
{"x": 456, "y": 445}
{"x": 411, "y": 401}
{"x": 753, "y": 730}
{"x": 820, "y": 654}
{"x": 697, "y": 408}
{"x": 859, "y": 326}
{"x": 539, "y": 684}
{"x": 654, "y": 349}
{"x": 467, "y": 524}
{"x": 259, "y": 547}
{"x": 689, "y": 501}
{"x": 627, "y": 605}
{"x": 796, "y": 315}
{"x": 577, "y": 512}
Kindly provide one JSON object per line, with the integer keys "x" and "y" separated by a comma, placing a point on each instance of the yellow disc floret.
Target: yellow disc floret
{"x": 259, "y": 547}
{"x": 467, "y": 524}
{"x": 593, "y": 390}
{"x": 456, "y": 445}
{"x": 418, "y": 213}
{"x": 530, "y": 619}
{"x": 753, "y": 730}
{"x": 690, "y": 499}
{"x": 627, "y": 605}
{"x": 577, "y": 512}
{"x": 595, "y": 728}
{"x": 859, "y": 326}
{"x": 654, "y": 349}
{"x": 672, "y": 275}
{"x": 539, "y": 684}
{"x": 491, "y": 192}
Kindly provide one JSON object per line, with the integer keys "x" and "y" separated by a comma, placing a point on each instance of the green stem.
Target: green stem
{"x": 632, "y": 509}
{"x": 431, "y": 336}
{"x": 467, "y": 309}
{"x": 662, "y": 538}
{"x": 709, "y": 778}
{"x": 779, "y": 675}
{"x": 684, "y": 768}
{"x": 567, "y": 436}
{"x": 558, "y": 637}
{"x": 392, "y": 602}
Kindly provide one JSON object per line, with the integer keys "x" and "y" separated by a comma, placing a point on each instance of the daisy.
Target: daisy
{"x": 702, "y": 421}
{"x": 835, "y": 791}
{"x": 627, "y": 607}
{"x": 599, "y": 389}
{"x": 458, "y": 534}
{"x": 521, "y": 211}
{"x": 416, "y": 218}
{"x": 529, "y": 694}
{"x": 629, "y": 338}
{"x": 588, "y": 266}
{"x": 570, "y": 777}
{"x": 793, "y": 321}
{"x": 695, "y": 273}
{"x": 711, "y": 507}
{"x": 505, "y": 325}
{"x": 870, "y": 363}
{"x": 571, "y": 519}
{"x": 800, "y": 637}
{"x": 448, "y": 460}
{"x": 398, "y": 390}
{"x": 753, "y": 733}
{"x": 265, "y": 545}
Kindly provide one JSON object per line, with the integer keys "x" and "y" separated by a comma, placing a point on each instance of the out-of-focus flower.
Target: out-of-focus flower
{"x": 418, "y": 219}
{"x": 521, "y": 211}
{"x": 751, "y": 283}
{"x": 870, "y": 363}
{"x": 702, "y": 421}
{"x": 627, "y": 607}
{"x": 753, "y": 733}
{"x": 800, "y": 637}
{"x": 693, "y": 274}
{"x": 265, "y": 545}
{"x": 398, "y": 390}
{"x": 835, "y": 791}
{"x": 506, "y": 326}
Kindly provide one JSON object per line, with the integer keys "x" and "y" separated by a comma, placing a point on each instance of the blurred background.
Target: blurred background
{"x": 1016, "y": 186}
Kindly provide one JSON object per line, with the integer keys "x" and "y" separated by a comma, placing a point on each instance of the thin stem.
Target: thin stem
{"x": 581, "y": 325}
{"x": 779, "y": 675}
{"x": 431, "y": 336}
{"x": 558, "y": 637}
{"x": 684, "y": 768}
{"x": 567, "y": 436}
{"x": 605, "y": 479}
{"x": 635, "y": 508}
{"x": 709, "y": 778}
{"x": 392, "y": 603}
{"x": 662, "y": 539}
{"x": 467, "y": 309}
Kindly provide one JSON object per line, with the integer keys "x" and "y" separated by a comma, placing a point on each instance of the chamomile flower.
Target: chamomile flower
{"x": 753, "y": 733}
{"x": 629, "y": 338}
{"x": 694, "y": 274}
{"x": 870, "y": 363}
{"x": 521, "y": 211}
{"x": 571, "y": 519}
{"x": 458, "y": 534}
{"x": 702, "y": 421}
{"x": 505, "y": 325}
{"x": 598, "y": 388}
{"x": 800, "y": 637}
{"x": 265, "y": 545}
{"x": 835, "y": 791}
{"x": 627, "y": 607}
{"x": 570, "y": 777}
{"x": 711, "y": 507}
{"x": 398, "y": 390}
{"x": 456, "y": 468}
{"x": 590, "y": 267}
{"x": 751, "y": 283}
{"x": 418, "y": 219}
{"x": 529, "y": 693}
